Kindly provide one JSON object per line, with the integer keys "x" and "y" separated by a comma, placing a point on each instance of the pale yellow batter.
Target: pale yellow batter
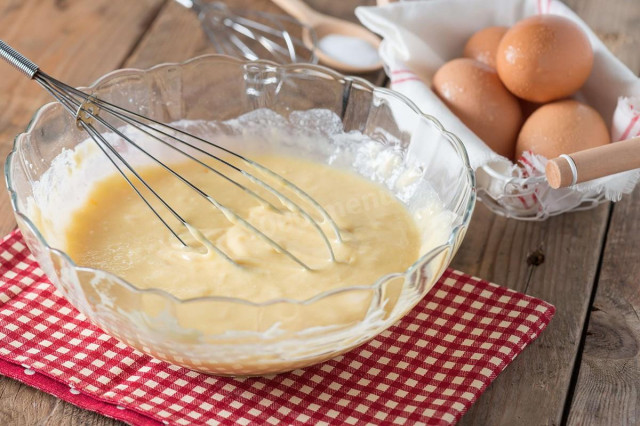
{"x": 116, "y": 232}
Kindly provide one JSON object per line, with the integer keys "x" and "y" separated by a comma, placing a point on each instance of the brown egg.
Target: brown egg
{"x": 544, "y": 58}
{"x": 528, "y": 108}
{"x": 473, "y": 92}
{"x": 562, "y": 127}
{"x": 483, "y": 45}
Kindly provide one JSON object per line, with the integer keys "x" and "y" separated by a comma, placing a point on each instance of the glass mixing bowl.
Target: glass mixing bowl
{"x": 269, "y": 338}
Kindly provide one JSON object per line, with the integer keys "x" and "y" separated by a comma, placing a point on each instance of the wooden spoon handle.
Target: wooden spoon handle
{"x": 299, "y": 10}
{"x": 593, "y": 163}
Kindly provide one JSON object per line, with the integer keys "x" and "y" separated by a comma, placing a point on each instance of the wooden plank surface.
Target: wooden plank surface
{"x": 607, "y": 391}
{"x": 130, "y": 34}
{"x": 76, "y": 41}
{"x": 503, "y": 251}
{"x": 536, "y": 387}
{"x": 608, "y": 388}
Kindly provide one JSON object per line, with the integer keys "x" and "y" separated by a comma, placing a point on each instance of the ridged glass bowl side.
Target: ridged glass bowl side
{"x": 219, "y": 88}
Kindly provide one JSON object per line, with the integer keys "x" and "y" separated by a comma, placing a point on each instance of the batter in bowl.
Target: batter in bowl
{"x": 116, "y": 232}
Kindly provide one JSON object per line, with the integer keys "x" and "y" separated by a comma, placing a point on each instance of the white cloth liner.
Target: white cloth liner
{"x": 420, "y": 36}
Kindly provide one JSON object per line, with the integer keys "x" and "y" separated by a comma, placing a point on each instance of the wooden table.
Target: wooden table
{"x": 584, "y": 369}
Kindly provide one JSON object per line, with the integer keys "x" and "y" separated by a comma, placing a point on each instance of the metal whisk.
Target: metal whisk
{"x": 254, "y": 34}
{"x": 88, "y": 110}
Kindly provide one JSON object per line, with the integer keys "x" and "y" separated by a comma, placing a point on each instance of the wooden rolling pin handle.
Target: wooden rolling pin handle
{"x": 593, "y": 163}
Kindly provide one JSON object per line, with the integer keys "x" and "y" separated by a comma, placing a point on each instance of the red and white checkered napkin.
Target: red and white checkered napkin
{"x": 429, "y": 368}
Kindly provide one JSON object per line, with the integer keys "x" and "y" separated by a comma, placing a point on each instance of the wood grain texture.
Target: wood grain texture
{"x": 534, "y": 389}
{"x": 607, "y": 390}
{"x": 23, "y": 405}
{"x": 76, "y": 41}
{"x": 152, "y": 32}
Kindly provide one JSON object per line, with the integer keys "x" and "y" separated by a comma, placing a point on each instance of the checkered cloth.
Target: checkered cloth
{"x": 429, "y": 368}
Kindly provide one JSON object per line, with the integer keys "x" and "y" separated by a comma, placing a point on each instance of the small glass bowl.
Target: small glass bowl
{"x": 216, "y": 87}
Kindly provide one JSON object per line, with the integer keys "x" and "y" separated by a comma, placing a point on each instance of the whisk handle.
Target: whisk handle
{"x": 16, "y": 59}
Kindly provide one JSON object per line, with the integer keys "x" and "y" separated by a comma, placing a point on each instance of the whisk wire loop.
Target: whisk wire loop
{"x": 137, "y": 120}
{"x": 87, "y": 110}
{"x": 246, "y": 27}
{"x": 104, "y": 145}
{"x": 88, "y": 116}
{"x": 247, "y": 190}
{"x": 235, "y": 31}
{"x": 228, "y": 213}
{"x": 70, "y": 104}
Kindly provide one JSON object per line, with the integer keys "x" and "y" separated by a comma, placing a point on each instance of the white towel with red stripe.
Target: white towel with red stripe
{"x": 420, "y": 36}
